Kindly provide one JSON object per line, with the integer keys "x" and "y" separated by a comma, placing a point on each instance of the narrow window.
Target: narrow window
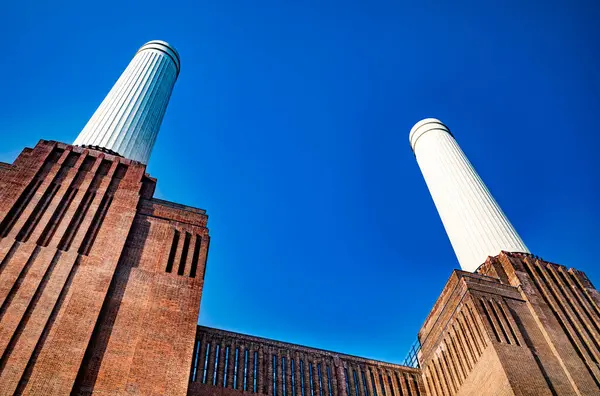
{"x": 283, "y": 376}
{"x": 356, "y": 388}
{"x": 173, "y": 251}
{"x": 302, "y": 377}
{"x": 255, "y": 370}
{"x": 505, "y": 316}
{"x": 311, "y": 379}
{"x": 226, "y": 366}
{"x": 206, "y": 363}
{"x": 196, "y": 256}
{"x": 500, "y": 324}
{"x": 391, "y": 385}
{"x": 274, "y": 375}
{"x": 347, "y": 381}
{"x": 195, "y": 372}
{"x": 293, "y": 374}
{"x": 364, "y": 380}
{"x": 215, "y": 371}
{"x": 184, "y": 253}
{"x": 320, "y": 379}
{"x": 416, "y": 384}
{"x": 382, "y": 385}
{"x": 235, "y": 368}
{"x": 245, "y": 384}
{"x": 373, "y": 383}
{"x": 329, "y": 381}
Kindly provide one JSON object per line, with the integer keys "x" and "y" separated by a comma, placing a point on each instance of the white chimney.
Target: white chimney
{"x": 474, "y": 222}
{"x": 128, "y": 120}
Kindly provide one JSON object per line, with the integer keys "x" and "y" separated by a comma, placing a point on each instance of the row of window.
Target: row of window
{"x": 238, "y": 368}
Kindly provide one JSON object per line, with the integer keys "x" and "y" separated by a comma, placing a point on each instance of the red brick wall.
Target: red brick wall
{"x": 328, "y": 368}
{"x": 86, "y": 301}
{"x": 519, "y": 326}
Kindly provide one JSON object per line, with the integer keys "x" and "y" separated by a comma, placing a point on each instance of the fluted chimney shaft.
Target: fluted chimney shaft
{"x": 474, "y": 222}
{"x": 128, "y": 120}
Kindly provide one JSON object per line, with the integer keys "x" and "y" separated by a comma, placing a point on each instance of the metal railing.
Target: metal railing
{"x": 411, "y": 359}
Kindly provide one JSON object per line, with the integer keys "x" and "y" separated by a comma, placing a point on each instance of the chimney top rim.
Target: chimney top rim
{"x": 166, "y": 48}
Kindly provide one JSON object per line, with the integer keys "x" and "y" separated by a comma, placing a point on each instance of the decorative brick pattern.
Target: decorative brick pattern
{"x": 86, "y": 303}
{"x": 520, "y": 326}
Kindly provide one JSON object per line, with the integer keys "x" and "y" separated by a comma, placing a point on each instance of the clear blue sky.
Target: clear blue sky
{"x": 289, "y": 124}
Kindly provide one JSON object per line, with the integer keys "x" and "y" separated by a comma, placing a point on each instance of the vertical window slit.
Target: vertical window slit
{"x": 226, "y": 366}
{"x": 173, "y": 251}
{"x": 205, "y": 260}
{"x": 195, "y": 368}
{"x": 398, "y": 381}
{"x": 236, "y": 373}
{"x": 356, "y": 387}
{"x": 205, "y": 365}
{"x": 283, "y": 376}
{"x": 196, "y": 256}
{"x": 413, "y": 379}
{"x": 364, "y": 381}
{"x": 373, "y": 384}
{"x": 216, "y": 366}
{"x": 274, "y": 362}
{"x": 302, "y": 377}
{"x": 293, "y": 376}
{"x": 184, "y": 253}
{"x": 489, "y": 319}
{"x": 320, "y": 374}
{"x": 391, "y": 385}
{"x": 347, "y": 381}
{"x": 382, "y": 385}
{"x": 245, "y": 384}
{"x": 505, "y": 317}
{"x": 255, "y": 367}
{"x": 500, "y": 323}
{"x": 329, "y": 388}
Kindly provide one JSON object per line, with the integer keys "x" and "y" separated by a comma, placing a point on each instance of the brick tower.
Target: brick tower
{"x": 100, "y": 283}
{"x": 510, "y": 323}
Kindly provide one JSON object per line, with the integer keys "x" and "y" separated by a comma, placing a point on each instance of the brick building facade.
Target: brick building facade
{"x": 100, "y": 289}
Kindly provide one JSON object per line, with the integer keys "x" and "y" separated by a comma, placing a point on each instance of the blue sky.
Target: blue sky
{"x": 289, "y": 123}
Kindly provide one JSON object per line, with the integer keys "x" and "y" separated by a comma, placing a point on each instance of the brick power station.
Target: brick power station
{"x": 100, "y": 282}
